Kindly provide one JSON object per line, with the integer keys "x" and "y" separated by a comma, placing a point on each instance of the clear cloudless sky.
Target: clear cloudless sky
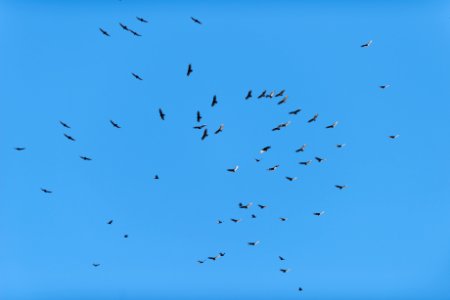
{"x": 385, "y": 237}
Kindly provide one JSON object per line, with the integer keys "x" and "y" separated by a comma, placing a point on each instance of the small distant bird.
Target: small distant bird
{"x": 235, "y": 220}
{"x": 262, "y": 206}
{"x": 189, "y": 71}
{"x": 156, "y": 177}
{"x": 125, "y": 236}
{"x": 341, "y": 187}
{"x": 253, "y": 243}
{"x": 282, "y": 125}
{"x": 234, "y": 170}
{"x": 135, "y": 33}
{"x": 109, "y": 222}
{"x": 263, "y": 94}
{"x": 85, "y": 158}
{"x": 272, "y": 93}
{"x": 199, "y": 116}
{"x": 124, "y": 27}
{"x": 291, "y": 178}
{"x": 205, "y": 134}
{"x": 136, "y": 76}
{"x": 46, "y": 191}
{"x": 384, "y": 86}
{"x": 394, "y": 136}
{"x": 196, "y": 20}
{"x": 142, "y": 20}
{"x": 300, "y": 289}
{"x": 200, "y": 261}
{"x": 95, "y": 265}
{"x": 283, "y": 219}
{"x": 162, "y": 115}
{"x": 294, "y": 112}
{"x": 319, "y": 213}
{"x": 319, "y": 159}
{"x": 114, "y": 124}
{"x": 221, "y": 127}
{"x": 69, "y": 137}
{"x": 305, "y": 163}
{"x": 64, "y": 124}
{"x": 214, "y": 257}
{"x": 340, "y": 145}
{"x": 20, "y": 148}
{"x": 253, "y": 216}
{"x": 301, "y": 149}
{"x": 249, "y": 95}
{"x": 214, "y": 101}
{"x": 199, "y": 127}
{"x": 280, "y": 93}
{"x": 281, "y": 258}
{"x": 219, "y": 221}
{"x": 222, "y": 254}
{"x": 246, "y": 206}
{"x": 366, "y": 44}
{"x": 257, "y": 159}
{"x": 265, "y": 149}
{"x": 282, "y": 101}
{"x": 332, "y": 125}
{"x": 313, "y": 119}
{"x": 273, "y": 168}
{"x": 104, "y": 32}
{"x": 284, "y": 270}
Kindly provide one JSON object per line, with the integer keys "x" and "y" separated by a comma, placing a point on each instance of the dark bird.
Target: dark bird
{"x": 64, "y": 124}
{"x": 301, "y": 149}
{"x": 257, "y": 159}
{"x": 246, "y": 206}
{"x": 124, "y": 27}
{"x": 219, "y": 221}
{"x": 136, "y": 76}
{"x": 222, "y": 254}
{"x": 189, "y": 71}
{"x": 205, "y": 134}
{"x": 104, "y": 32}
{"x": 69, "y": 137}
{"x": 300, "y": 289}
{"x": 393, "y": 137}
{"x": 384, "y": 86}
{"x": 341, "y": 187}
{"x": 200, "y": 127}
{"x": 253, "y": 243}
{"x": 262, "y": 206}
{"x": 263, "y": 94}
{"x": 273, "y": 168}
{"x": 109, "y": 222}
{"x": 283, "y": 219}
{"x": 265, "y": 149}
{"x": 280, "y": 93}
{"x": 214, "y": 257}
{"x": 162, "y": 115}
{"x": 46, "y": 191}
{"x": 366, "y": 44}
{"x": 319, "y": 159}
{"x": 221, "y": 127}
{"x": 20, "y": 148}
{"x": 199, "y": 116}
{"x": 142, "y": 20}
{"x": 235, "y": 220}
{"x": 305, "y": 163}
{"x": 284, "y": 270}
{"x": 253, "y": 216}
{"x": 196, "y": 20}
{"x": 332, "y": 125}
{"x": 234, "y": 170}
{"x": 282, "y": 125}
{"x": 340, "y": 145}
{"x": 272, "y": 93}
{"x": 294, "y": 112}
{"x": 95, "y": 265}
{"x": 125, "y": 236}
{"x": 135, "y": 33}
{"x": 291, "y": 178}
{"x": 249, "y": 95}
{"x": 281, "y": 258}
{"x": 313, "y": 119}
{"x": 282, "y": 101}
{"x": 156, "y": 177}
{"x": 319, "y": 213}
{"x": 200, "y": 261}
{"x": 114, "y": 124}
{"x": 85, "y": 158}
{"x": 214, "y": 101}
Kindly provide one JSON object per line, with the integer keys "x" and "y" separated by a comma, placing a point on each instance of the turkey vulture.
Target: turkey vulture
{"x": 46, "y": 191}
{"x": 319, "y": 213}
{"x": 263, "y": 94}
{"x": 340, "y": 145}
{"x": 273, "y": 168}
{"x": 142, "y": 20}
{"x": 64, "y": 124}
{"x": 332, "y": 125}
{"x": 305, "y": 163}
{"x": 156, "y": 177}
{"x": 246, "y": 206}
{"x": 341, "y": 187}
{"x": 235, "y": 220}
{"x": 234, "y": 170}
{"x": 265, "y": 149}
{"x": 313, "y": 119}
{"x": 136, "y": 76}
{"x": 221, "y": 127}
{"x": 124, "y": 27}
{"x": 162, "y": 115}
{"x": 366, "y": 44}
{"x": 134, "y": 33}
{"x": 85, "y": 158}
{"x": 199, "y": 127}
{"x": 319, "y": 159}
{"x": 272, "y": 93}
{"x": 280, "y": 93}
{"x": 253, "y": 243}
{"x": 20, "y": 148}
{"x": 394, "y": 136}
{"x": 291, "y": 178}
{"x": 199, "y": 116}
{"x": 262, "y": 206}
{"x": 95, "y": 265}
{"x": 214, "y": 101}
{"x": 104, "y": 32}
{"x": 69, "y": 137}
{"x": 301, "y": 149}
{"x": 284, "y": 270}
{"x": 110, "y": 222}
{"x": 219, "y": 221}
{"x": 114, "y": 124}
{"x": 249, "y": 95}
{"x": 281, "y": 258}
{"x": 282, "y": 101}
{"x": 283, "y": 219}
{"x": 205, "y": 134}
{"x": 196, "y": 20}
{"x": 384, "y": 86}
{"x": 189, "y": 71}
{"x": 294, "y": 112}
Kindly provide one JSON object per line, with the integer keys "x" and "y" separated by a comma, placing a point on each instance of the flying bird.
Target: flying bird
{"x": 253, "y": 216}
{"x": 319, "y": 213}
{"x": 69, "y": 137}
{"x": 281, "y": 258}
{"x": 221, "y": 127}
{"x": 249, "y": 95}
{"x": 284, "y": 270}
{"x": 305, "y": 163}
{"x": 19, "y": 148}
{"x": 313, "y": 119}
{"x": 366, "y": 44}
{"x": 282, "y": 101}
{"x": 214, "y": 101}
{"x": 272, "y": 93}
{"x": 64, "y": 124}
{"x": 156, "y": 177}
{"x": 319, "y": 159}
{"x": 340, "y": 145}
{"x": 109, "y": 222}
{"x": 294, "y": 112}
{"x": 199, "y": 116}
{"x": 262, "y": 206}
{"x": 332, "y": 125}
{"x": 214, "y": 257}
{"x": 257, "y": 159}
{"x": 273, "y": 168}
{"x": 142, "y": 20}
{"x": 235, "y": 220}
{"x": 300, "y": 289}
{"x": 189, "y": 71}
{"x": 162, "y": 115}
{"x": 253, "y": 243}
{"x": 46, "y": 191}
{"x": 282, "y": 125}
{"x": 283, "y": 219}
{"x": 393, "y": 137}
{"x": 341, "y": 187}
{"x": 124, "y": 27}
{"x": 219, "y": 221}
{"x": 114, "y": 124}
{"x": 95, "y": 265}
{"x": 234, "y": 170}
{"x": 85, "y": 158}
{"x": 280, "y": 93}
{"x": 125, "y": 236}
{"x": 199, "y": 127}
{"x": 196, "y": 20}
{"x": 265, "y": 149}
{"x": 104, "y": 32}
{"x": 384, "y": 86}
{"x": 263, "y": 94}
{"x": 246, "y": 206}
{"x": 136, "y": 76}
{"x": 200, "y": 261}
{"x": 134, "y": 33}
{"x": 291, "y": 178}
{"x": 301, "y": 149}
{"x": 205, "y": 134}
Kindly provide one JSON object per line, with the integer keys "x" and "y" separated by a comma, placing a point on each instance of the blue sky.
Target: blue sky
{"x": 385, "y": 237}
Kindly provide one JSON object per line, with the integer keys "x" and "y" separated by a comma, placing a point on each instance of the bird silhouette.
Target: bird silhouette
{"x": 393, "y": 137}
{"x": 46, "y": 191}
{"x": 319, "y": 213}
{"x": 199, "y": 116}
{"x": 301, "y": 149}
{"x": 69, "y": 137}
{"x": 85, "y": 158}
{"x": 214, "y": 101}
{"x": 196, "y": 20}
{"x": 189, "y": 71}
{"x": 205, "y": 134}
{"x": 341, "y": 187}
{"x": 253, "y": 243}
{"x": 271, "y": 169}
{"x": 294, "y": 112}
{"x": 319, "y": 159}
{"x": 64, "y": 124}
{"x": 365, "y": 45}
{"x": 313, "y": 119}
{"x": 282, "y": 101}
{"x": 265, "y": 149}
{"x": 142, "y": 20}
{"x": 114, "y": 124}
{"x": 291, "y": 178}
{"x": 332, "y": 125}
{"x": 245, "y": 206}
{"x": 262, "y": 95}
{"x": 136, "y": 76}
{"x": 220, "y": 129}
{"x": 199, "y": 126}
{"x": 20, "y": 148}
{"x": 104, "y": 32}
{"x": 249, "y": 95}
{"x": 280, "y": 93}
{"x": 234, "y": 170}
{"x": 162, "y": 115}
{"x": 95, "y": 265}
{"x": 305, "y": 163}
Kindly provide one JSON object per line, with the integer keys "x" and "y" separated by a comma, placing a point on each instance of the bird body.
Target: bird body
{"x": 220, "y": 129}
{"x": 234, "y": 170}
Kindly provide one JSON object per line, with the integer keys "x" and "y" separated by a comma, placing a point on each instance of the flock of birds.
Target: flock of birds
{"x": 249, "y": 95}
